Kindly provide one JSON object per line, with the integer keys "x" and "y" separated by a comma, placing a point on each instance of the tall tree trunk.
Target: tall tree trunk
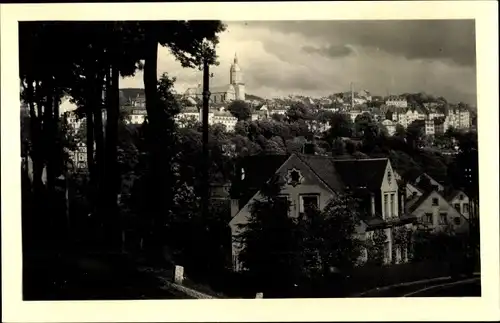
{"x": 112, "y": 172}
{"x": 49, "y": 135}
{"x": 35, "y": 128}
{"x": 89, "y": 115}
{"x": 99, "y": 153}
{"x": 33, "y": 222}
{"x": 155, "y": 204}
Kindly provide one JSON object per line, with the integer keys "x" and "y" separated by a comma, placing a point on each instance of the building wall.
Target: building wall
{"x": 412, "y": 191}
{"x": 429, "y": 208}
{"x": 309, "y": 186}
{"x": 462, "y": 204}
{"x": 389, "y": 189}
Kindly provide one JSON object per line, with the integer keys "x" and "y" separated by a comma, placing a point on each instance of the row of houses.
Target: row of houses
{"x": 387, "y": 201}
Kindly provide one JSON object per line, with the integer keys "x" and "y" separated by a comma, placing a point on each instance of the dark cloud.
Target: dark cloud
{"x": 329, "y": 51}
{"x": 447, "y": 40}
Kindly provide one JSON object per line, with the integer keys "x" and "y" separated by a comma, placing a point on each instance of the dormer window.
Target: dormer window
{"x": 294, "y": 177}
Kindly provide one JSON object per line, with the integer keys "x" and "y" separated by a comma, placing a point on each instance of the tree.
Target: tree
{"x": 415, "y": 132}
{"x": 376, "y": 248}
{"x": 191, "y": 43}
{"x": 366, "y": 127}
{"x": 269, "y": 240}
{"x": 298, "y": 111}
{"x": 240, "y": 110}
{"x": 330, "y": 237}
{"x": 340, "y": 126}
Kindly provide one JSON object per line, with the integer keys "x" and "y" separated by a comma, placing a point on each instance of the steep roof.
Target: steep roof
{"x": 451, "y": 195}
{"x": 324, "y": 168}
{"x": 252, "y": 172}
{"x": 413, "y": 204}
{"x": 367, "y": 173}
{"x": 339, "y": 174}
{"x": 364, "y": 174}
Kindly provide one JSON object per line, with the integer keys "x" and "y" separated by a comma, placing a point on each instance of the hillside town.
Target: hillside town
{"x": 235, "y": 195}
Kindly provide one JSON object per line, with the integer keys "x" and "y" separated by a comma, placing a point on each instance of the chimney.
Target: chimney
{"x": 235, "y": 207}
{"x": 309, "y": 148}
{"x": 402, "y": 206}
{"x": 372, "y": 202}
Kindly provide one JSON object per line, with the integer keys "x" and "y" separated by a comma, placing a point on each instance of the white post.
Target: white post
{"x": 179, "y": 275}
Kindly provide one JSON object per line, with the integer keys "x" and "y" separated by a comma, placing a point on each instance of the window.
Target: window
{"x": 405, "y": 254}
{"x": 414, "y": 194}
{"x": 428, "y": 218}
{"x": 393, "y": 205}
{"x": 308, "y": 203}
{"x": 398, "y": 254}
{"x": 294, "y": 177}
{"x": 435, "y": 202}
{"x": 443, "y": 218}
{"x": 386, "y": 204}
{"x": 387, "y": 254}
{"x": 465, "y": 208}
{"x": 457, "y": 220}
{"x": 389, "y": 177}
{"x": 457, "y": 206}
{"x": 461, "y": 197}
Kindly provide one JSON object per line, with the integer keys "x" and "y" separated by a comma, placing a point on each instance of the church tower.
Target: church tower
{"x": 236, "y": 79}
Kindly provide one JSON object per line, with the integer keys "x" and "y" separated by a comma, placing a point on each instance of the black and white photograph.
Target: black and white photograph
{"x": 249, "y": 159}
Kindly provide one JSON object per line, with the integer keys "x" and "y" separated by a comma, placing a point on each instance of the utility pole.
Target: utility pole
{"x": 352, "y": 96}
{"x": 205, "y": 180}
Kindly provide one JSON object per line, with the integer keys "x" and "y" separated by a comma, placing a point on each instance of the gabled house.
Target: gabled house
{"x": 412, "y": 191}
{"x": 434, "y": 212}
{"x": 422, "y": 180}
{"x": 460, "y": 201}
{"x": 312, "y": 181}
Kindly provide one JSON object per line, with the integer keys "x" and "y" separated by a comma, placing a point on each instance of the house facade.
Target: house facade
{"x": 312, "y": 181}
{"x": 434, "y": 212}
{"x": 396, "y": 101}
{"x": 460, "y": 201}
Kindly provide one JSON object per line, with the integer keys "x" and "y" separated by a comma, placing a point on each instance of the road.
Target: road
{"x": 464, "y": 288}
{"x": 449, "y": 287}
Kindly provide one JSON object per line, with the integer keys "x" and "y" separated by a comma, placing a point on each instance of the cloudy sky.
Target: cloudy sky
{"x": 318, "y": 58}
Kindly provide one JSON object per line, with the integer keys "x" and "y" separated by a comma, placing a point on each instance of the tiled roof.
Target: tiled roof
{"x": 258, "y": 170}
{"x": 324, "y": 168}
{"x": 367, "y": 173}
{"x": 339, "y": 174}
{"x": 452, "y": 195}
{"x": 414, "y": 203}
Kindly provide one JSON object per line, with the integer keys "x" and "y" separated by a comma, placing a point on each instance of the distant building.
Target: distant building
{"x": 460, "y": 201}
{"x": 139, "y": 101}
{"x": 429, "y": 127}
{"x": 137, "y": 116}
{"x": 396, "y": 101}
{"x": 434, "y": 212}
{"x": 235, "y": 90}
{"x": 214, "y": 117}
{"x": 390, "y": 126}
{"x": 79, "y": 156}
{"x": 225, "y": 118}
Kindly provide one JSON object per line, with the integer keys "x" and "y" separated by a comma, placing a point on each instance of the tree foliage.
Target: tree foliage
{"x": 240, "y": 110}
